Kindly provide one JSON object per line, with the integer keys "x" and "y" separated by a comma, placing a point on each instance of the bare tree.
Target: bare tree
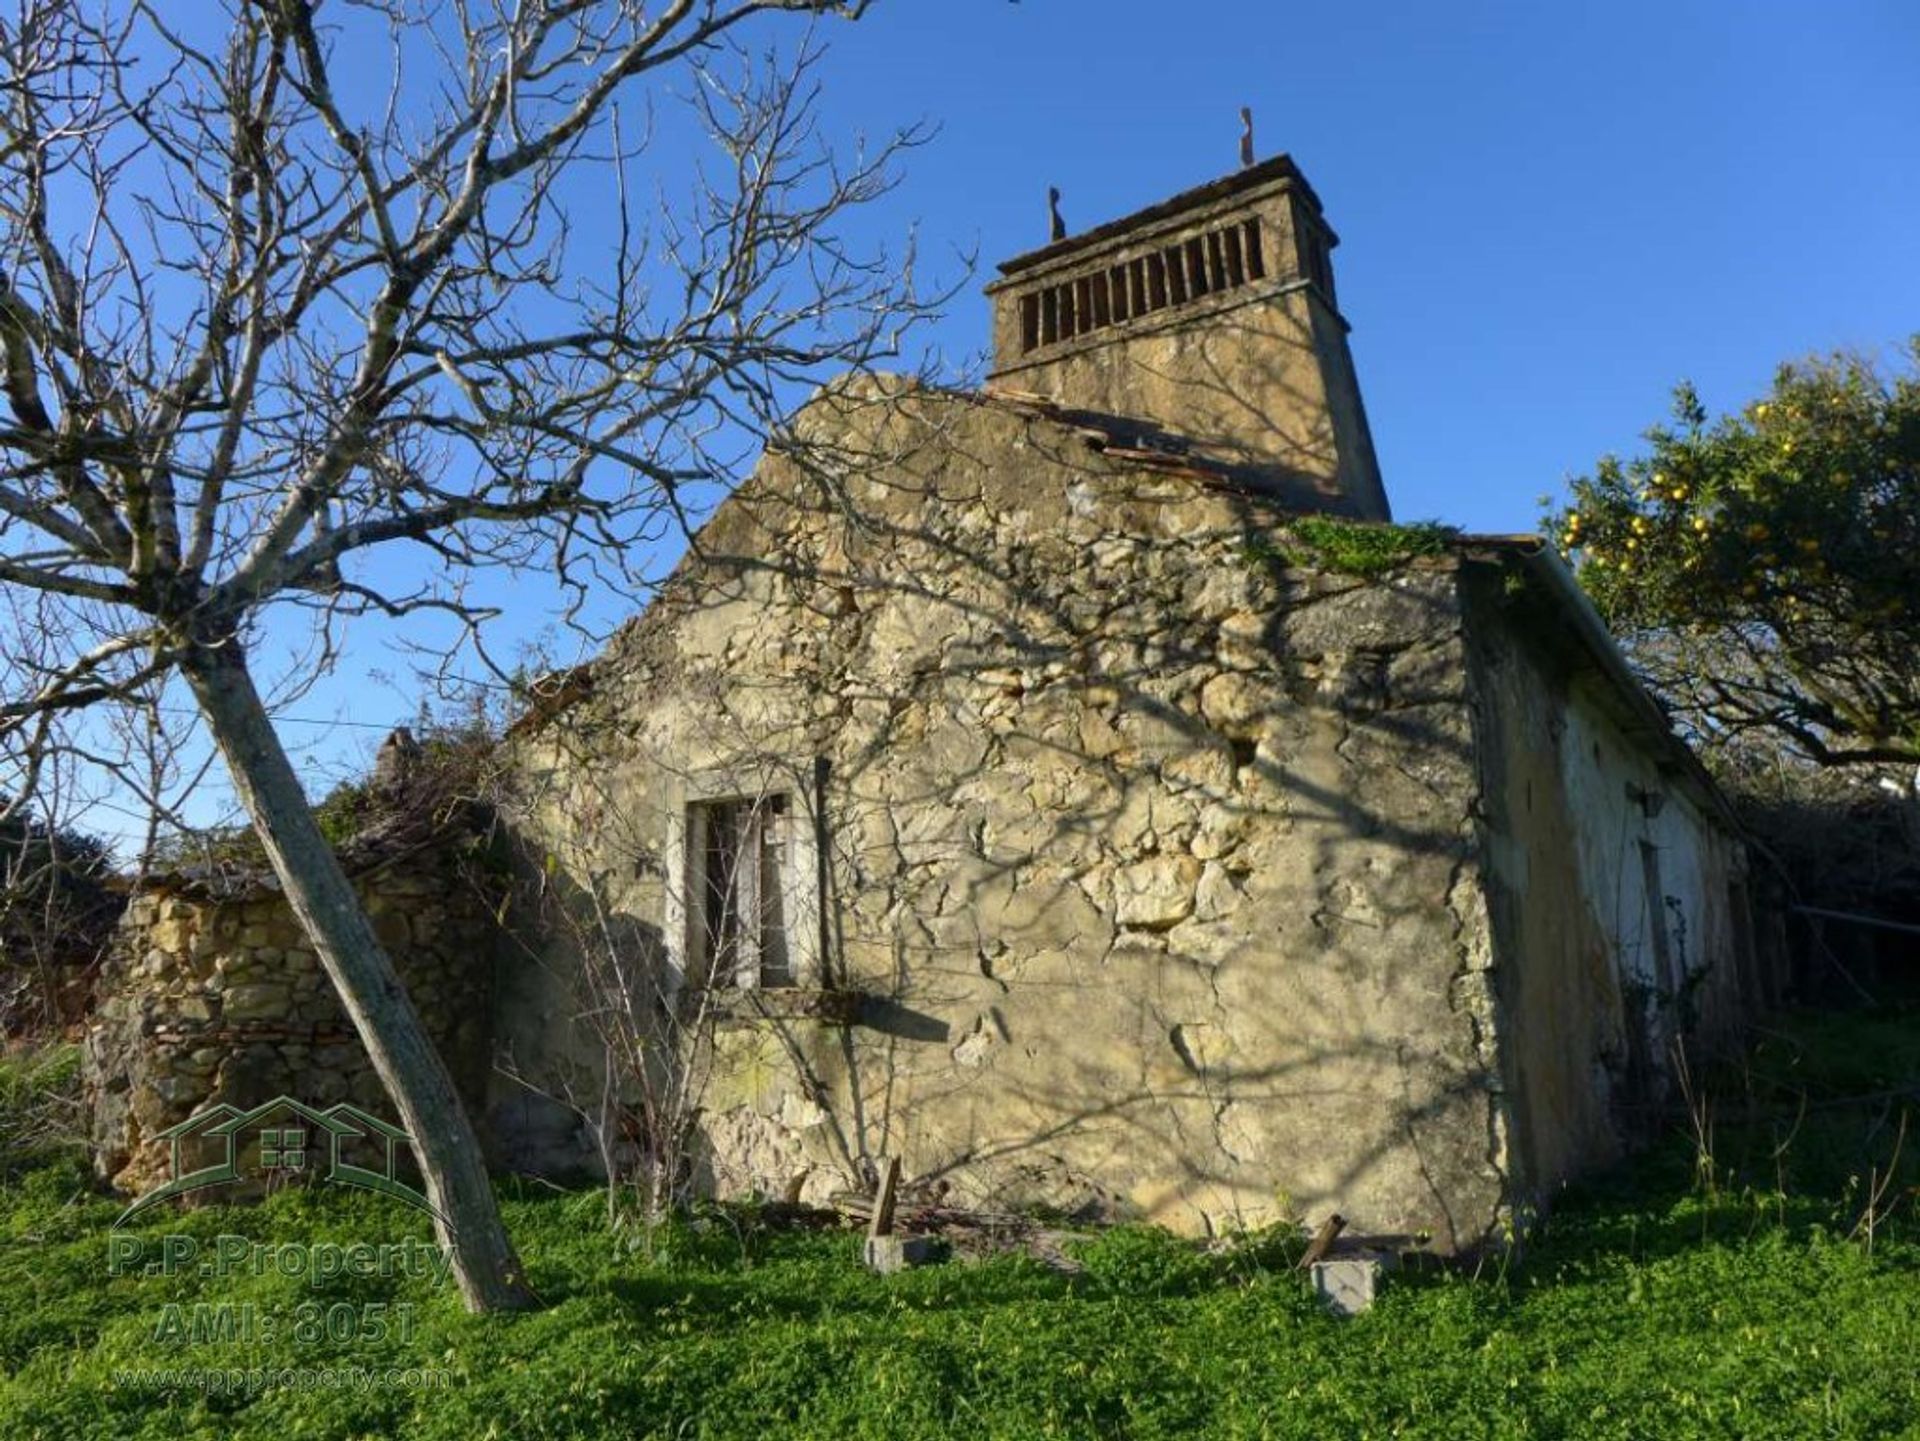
{"x": 284, "y": 283}
{"x": 640, "y": 1099}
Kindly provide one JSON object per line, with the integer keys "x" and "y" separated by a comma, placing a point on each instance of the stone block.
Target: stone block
{"x": 180, "y": 1091}
{"x": 1156, "y": 893}
{"x": 887, "y": 1254}
{"x": 1229, "y": 701}
{"x": 1347, "y": 1285}
{"x": 262, "y": 1002}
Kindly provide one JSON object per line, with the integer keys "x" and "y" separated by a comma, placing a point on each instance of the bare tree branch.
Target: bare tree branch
{"x": 266, "y": 311}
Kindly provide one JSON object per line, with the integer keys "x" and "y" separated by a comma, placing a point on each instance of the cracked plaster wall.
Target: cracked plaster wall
{"x": 1593, "y": 1004}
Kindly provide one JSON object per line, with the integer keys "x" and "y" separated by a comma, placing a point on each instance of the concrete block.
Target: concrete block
{"x": 1346, "y": 1285}
{"x": 887, "y": 1254}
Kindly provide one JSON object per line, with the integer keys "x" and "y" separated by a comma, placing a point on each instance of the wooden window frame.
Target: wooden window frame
{"x": 707, "y": 795}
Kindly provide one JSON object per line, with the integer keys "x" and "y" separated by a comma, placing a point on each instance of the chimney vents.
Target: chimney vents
{"x": 1210, "y": 316}
{"x": 1223, "y": 258}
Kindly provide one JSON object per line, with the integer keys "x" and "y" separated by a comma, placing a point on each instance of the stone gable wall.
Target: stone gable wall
{"x": 1149, "y": 846}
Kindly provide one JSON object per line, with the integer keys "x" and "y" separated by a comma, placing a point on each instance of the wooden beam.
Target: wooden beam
{"x": 883, "y": 1198}
{"x": 1323, "y": 1240}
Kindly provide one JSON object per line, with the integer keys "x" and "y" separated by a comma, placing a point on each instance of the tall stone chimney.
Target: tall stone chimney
{"x": 1212, "y": 315}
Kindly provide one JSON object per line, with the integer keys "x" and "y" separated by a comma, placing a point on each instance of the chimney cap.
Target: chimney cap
{"x": 1280, "y": 167}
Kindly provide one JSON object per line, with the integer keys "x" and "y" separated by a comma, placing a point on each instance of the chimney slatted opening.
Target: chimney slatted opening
{"x": 1256, "y": 261}
{"x": 1225, "y": 258}
{"x": 1236, "y": 272}
{"x": 1198, "y": 283}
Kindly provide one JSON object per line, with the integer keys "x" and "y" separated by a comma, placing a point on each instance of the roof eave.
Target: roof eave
{"x": 1603, "y": 651}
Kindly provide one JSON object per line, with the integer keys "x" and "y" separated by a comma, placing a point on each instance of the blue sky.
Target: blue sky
{"x": 1549, "y": 213}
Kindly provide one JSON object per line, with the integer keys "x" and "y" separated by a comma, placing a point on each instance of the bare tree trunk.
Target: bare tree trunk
{"x": 466, "y": 1218}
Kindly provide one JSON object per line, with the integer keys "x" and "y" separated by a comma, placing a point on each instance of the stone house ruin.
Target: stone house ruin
{"x": 1046, "y": 809}
{"x": 1034, "y": 785}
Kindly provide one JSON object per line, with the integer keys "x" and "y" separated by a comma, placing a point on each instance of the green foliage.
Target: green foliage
{"x": 344, "y": 812}
{"x": 1646, "y": 1305}
{"x": 56, "y": 915}
{"x": 455, "y": 761}
{"x": 41, "y": 1118}
{"x": 28, "y": 843}
{"x": 1145, "y": 1261}
{"x": 1765, "y": 567}
{"x": 1361, "y": 548}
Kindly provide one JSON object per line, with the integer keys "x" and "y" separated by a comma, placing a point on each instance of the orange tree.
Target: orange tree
{"x": 1763, "y": 570}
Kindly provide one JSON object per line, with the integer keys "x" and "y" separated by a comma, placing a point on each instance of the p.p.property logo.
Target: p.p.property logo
{"x": 280, "y": 1140}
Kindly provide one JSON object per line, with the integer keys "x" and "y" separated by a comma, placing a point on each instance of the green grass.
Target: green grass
{"x": 1672, "y": 1299}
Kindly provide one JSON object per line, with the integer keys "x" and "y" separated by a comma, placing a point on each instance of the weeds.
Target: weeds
{"x": 41, "y": 1106}
{"x": 1360, "y": 548}
{"x": 1756, "y": 1296}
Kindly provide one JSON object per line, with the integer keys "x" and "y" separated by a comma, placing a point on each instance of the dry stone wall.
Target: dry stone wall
{"x": 213, "y": 993}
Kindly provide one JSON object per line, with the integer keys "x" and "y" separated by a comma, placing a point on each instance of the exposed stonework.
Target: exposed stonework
{"x": 1159, "y": 864}
{"x": 1212, "y": 315}
{"x": 212, "y": 993}
{"x": 1164, "y": 858}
